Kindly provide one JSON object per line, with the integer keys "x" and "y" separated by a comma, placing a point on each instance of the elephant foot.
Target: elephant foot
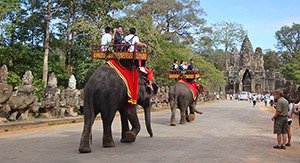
{"x": 109, "y": 144}
{"x": 123, "y": 140}
{"x": 172, "y": 124}
{"x": 130, "y": 136}
{"x": 182, "y": 121}
{"x": 191, "y": 117}
{"x": 85, "y": 150}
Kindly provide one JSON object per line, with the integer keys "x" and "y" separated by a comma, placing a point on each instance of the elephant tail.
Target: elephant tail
{"x": 197, "y": 111}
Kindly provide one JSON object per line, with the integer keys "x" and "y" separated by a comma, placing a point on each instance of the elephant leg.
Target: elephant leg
{"x": 187, "y": 115}
{"x": 183, "y": 115}
{"x": 125, "y": 125}
{"x": 107, "y": 140}
{"x": 191, "y": 116}
{"x": 134, "y": 121}
{"x": 173, "y": 114}
{"x": 89, "y": 118}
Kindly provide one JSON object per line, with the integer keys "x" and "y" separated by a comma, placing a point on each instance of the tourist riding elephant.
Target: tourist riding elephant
{"x": 105, "y": 93}
{"x": 181, "y": 97}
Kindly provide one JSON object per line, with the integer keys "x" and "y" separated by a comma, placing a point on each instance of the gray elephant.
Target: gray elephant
{"x": 181, "y": 97}
{"x": 106, "y": 93}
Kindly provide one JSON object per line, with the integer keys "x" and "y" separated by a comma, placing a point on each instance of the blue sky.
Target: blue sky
{"x": 261, "y": 18}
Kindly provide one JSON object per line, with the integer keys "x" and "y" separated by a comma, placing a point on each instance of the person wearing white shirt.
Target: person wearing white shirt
{"x": 133, "y": 40}
{"x": 175, "y": 65}
{"x": 271, "y": 100}
{"x": 290, "y": 119}
{"x": 106, "y": 39}
{"x": 254, "y": 99}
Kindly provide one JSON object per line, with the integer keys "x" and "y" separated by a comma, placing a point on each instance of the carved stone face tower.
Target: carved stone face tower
{"x": 246, "y": 53}
{"x": 247, "y": 73}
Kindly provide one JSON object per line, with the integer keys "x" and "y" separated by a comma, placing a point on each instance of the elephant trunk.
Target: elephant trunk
{"x": 148, "y": 119}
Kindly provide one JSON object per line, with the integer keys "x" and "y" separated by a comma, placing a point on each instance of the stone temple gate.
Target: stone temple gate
{"x": 246, "y": 72}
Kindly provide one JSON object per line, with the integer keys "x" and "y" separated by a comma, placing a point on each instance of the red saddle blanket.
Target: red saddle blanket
{"x": 192, "y": 87}
{"x": 130, "y": 78}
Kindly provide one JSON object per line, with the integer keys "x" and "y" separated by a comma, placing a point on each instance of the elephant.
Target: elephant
{"x": 106, "y": 93}
{"x": 180, "y": 96}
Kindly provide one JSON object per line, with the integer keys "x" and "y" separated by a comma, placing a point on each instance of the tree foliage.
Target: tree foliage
{"x": 291, "y": 70}
{"x": 176, "y": 20}
{"x": 271, "y": 61}
{"x": 289, "y": 38}
{"x": 75, "y": 26}
{"x": 228, "y": 34}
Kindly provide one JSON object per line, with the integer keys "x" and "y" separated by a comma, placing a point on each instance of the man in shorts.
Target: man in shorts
{"x": 280, "y": 119}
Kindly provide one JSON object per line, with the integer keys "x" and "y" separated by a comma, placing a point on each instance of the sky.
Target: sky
{"x": 261, "y": 18}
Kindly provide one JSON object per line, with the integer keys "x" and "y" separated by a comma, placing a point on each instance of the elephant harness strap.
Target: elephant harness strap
{"x": 191, "y": 85}
{"x": 129, "y": 77}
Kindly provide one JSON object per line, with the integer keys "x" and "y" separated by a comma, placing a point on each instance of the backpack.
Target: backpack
{"x": 128, "y": 43}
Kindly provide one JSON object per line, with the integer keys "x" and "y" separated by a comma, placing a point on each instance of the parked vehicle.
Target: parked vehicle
{"x": 243, "y": 96}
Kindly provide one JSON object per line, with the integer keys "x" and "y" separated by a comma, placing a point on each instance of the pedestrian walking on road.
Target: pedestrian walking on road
{"x": 280, "y": 119}
{"x": 266, "y": 99}
{"x": 254, "y": 99}
{"x": 271, "y": 100}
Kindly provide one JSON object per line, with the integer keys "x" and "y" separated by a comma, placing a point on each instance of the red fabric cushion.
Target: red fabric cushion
{"x": 130, "y": 78}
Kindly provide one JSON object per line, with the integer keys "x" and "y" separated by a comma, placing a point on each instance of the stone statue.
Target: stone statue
{"x": 5, "y": 92}
{"x": 23, "y": 101}
{"x": 50, "y": 102}
{"x": 81, "y": 101}
{"x": 70, "y": 98}
{"x": 258, "y": 59}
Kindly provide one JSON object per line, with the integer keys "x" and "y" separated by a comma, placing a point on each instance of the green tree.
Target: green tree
{"x": 271, "y": 61}
{"x": 176, "y": 20}
{"x": 228, "y": 34}
{"x": 289, "y": 38}
{"x": 7, "y": 6}
{"x": 211, "y": 77}
{"x": 291, "y": 70}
